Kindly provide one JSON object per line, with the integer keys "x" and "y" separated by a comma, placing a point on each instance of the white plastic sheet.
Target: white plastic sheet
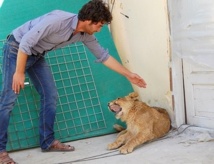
{"x": 192, "y": 30}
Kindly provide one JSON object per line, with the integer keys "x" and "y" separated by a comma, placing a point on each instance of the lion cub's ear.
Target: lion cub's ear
{"x": 133, "y": 95}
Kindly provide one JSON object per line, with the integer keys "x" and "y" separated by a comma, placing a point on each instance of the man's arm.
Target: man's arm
{"x": 19, "y": 75}
{"x": 132, "y": 77}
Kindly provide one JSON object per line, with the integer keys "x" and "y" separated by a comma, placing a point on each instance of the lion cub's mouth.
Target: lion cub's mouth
{"x": 115, "y": 108}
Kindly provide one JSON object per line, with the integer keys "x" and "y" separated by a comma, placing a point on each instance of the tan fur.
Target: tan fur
{"x": 144, "y": 123}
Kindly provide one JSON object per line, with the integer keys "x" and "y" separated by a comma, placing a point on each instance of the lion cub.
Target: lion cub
{"x": 144, "y": 123}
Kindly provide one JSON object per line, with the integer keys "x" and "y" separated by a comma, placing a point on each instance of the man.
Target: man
{"x": 24, "y": 51}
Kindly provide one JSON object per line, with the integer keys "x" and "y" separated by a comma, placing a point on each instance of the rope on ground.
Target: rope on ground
{"x": 171, "y": 131}
{"x": 99, "y": 156}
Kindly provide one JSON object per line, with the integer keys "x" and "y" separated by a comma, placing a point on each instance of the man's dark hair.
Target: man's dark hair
{"x": 96, "y": 11}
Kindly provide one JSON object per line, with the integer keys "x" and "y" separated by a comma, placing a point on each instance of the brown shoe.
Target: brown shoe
{"x": 5, "y": 159}
{"x": 57, "y": 146}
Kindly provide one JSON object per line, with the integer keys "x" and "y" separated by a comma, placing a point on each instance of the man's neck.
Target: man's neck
{"x": 80, "y": 27}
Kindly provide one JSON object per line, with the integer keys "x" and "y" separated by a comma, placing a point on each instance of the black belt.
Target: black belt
{"x": 8, "y": 36}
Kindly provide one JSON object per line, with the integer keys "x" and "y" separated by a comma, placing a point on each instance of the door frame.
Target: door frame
{"x": 178, "y": 90}
{"x": 177, "y": 78}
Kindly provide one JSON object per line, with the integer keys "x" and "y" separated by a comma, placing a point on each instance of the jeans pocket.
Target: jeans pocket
{"x": 13, "y": 48}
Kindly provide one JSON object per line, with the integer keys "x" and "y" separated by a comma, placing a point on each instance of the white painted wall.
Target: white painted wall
{"x": 192, "y": 31}
{"x": 142, "y": 41}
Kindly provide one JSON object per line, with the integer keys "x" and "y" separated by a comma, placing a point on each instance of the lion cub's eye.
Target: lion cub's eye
{"x": 118, "y": 98}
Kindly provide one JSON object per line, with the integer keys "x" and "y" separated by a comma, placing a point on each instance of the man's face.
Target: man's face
{"x": 91, "y": 28}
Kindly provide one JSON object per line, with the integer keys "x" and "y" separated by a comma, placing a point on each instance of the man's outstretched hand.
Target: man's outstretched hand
{"x": 137, "y": 80}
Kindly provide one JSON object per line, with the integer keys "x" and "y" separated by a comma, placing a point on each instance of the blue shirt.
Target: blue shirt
{"x": 53, "y": 30}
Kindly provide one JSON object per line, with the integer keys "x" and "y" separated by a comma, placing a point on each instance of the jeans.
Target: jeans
{"x": 40, "y": 74}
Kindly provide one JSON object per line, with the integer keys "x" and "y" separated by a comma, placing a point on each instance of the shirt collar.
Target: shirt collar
{"x": 74, "y": 22}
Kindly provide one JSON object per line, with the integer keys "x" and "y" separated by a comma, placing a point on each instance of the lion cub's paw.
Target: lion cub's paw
{"x": 125, "y": 149}
{"x": 112, "y": 146}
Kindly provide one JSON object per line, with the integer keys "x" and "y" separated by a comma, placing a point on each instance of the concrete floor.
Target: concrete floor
{"x": 187, "y": 145}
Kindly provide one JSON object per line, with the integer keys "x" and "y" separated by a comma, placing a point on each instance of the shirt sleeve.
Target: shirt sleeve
{"x": 40, "y": 30}
{"x": 99, "y": 52}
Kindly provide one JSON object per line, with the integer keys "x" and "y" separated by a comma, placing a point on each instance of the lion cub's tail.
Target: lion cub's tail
{"x": 119, "y": 128}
